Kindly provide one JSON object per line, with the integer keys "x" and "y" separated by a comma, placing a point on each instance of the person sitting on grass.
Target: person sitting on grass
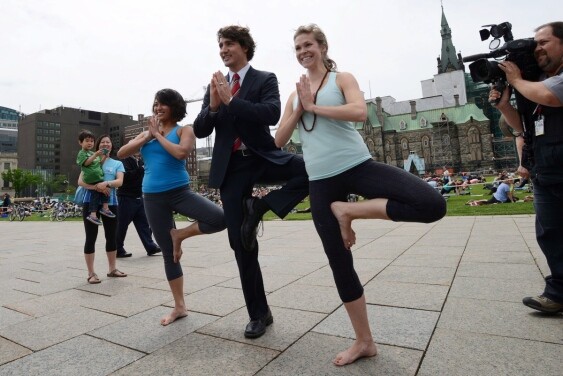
{"x": 503, "y": 193}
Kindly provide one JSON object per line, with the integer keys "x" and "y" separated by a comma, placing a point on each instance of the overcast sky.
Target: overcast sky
{"x": 113, "y": 55}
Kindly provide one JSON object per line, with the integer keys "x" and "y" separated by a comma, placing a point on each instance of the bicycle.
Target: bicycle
{"x": 58, "y": 213}
{"x": 18, "y": 212}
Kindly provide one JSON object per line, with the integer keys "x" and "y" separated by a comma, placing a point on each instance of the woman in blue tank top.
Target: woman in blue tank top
{"x": 165, "y": 147}
{"x": 324, "y": 107}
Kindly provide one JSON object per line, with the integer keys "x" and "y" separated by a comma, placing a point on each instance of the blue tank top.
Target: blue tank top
{"x": 163, "y": 172}
{"x": 333, "y": 146}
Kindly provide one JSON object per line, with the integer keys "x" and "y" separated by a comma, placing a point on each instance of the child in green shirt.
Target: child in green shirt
{"x": 90, "y": 163}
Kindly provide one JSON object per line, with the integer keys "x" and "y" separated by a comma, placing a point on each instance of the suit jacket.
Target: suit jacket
{"x": 248, "y": 116}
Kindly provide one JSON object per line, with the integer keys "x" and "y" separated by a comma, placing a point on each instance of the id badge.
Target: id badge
{"x": 539, "y": 126}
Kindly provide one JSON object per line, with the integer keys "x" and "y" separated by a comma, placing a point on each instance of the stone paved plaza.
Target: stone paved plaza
{"x": 443, "y": 299}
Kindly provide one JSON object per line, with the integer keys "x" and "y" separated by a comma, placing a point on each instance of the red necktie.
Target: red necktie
{"x": 235, "y": 87}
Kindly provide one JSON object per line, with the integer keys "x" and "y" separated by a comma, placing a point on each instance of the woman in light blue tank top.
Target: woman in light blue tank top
{"x": 165, "y": 147}
{"x": 324, "y": 107}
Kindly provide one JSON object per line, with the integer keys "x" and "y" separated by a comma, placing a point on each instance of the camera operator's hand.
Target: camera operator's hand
{"x": 523, "y": 172}
{"x": 511, "y": 70}
{"x": 501, "y": 100}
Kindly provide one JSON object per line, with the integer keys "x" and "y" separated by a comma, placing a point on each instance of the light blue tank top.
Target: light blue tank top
{"x": 163, "y": 172}
{"x": 333, "y": 146}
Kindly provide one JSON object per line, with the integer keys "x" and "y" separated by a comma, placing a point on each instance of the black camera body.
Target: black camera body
{"x": 520, "y": 52}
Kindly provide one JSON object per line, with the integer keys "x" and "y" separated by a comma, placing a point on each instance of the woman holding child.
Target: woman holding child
{"x": 113, "y": 178}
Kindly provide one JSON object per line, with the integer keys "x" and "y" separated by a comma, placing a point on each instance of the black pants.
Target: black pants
{"x": 411, "y": 199}
{"x": 132, "y": 209}
{"x": 548, "y": 202}
{"x": 91, "y": 229}
{"x": 160, "y": 208}
{"x": 242, "y": 174}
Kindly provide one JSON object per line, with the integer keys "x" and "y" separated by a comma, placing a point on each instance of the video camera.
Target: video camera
{"x": 520, "y": 52}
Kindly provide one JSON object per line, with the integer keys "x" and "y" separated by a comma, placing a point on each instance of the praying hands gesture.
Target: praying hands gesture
{"x": 220, "y": 90}
{"x": 303, "y": 88}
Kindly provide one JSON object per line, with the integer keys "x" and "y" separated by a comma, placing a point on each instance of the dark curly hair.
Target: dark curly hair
{"x": 241, "y": 35}
{"x": 172, "y": 99}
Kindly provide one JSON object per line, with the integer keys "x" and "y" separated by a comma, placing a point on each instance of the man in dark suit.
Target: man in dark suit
{"x": 240, "y": 108}
{"x": 132, "y": 209}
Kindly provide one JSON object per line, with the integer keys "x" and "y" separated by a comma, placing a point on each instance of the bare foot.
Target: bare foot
{"x": 356, "y": 351}
{"x": 177, "y": 243}
{"x": 348, "y": 235}
{"x": 173, "y": 316}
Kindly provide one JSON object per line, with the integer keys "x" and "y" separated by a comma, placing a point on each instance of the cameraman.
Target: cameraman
{"x": 541, "y": 115}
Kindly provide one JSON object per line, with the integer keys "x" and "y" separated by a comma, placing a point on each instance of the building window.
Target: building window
{"x": 404, "y": 144}
{"x": 446, "y": 139}
{"x": 423, "y": 123}
{"x": 473, "y": 135}
{"x": 403, "y": 125}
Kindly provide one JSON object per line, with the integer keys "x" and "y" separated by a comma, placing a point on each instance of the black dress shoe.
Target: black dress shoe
{"x": 256, "y": 328}
{"x": 124, "y": 254}
{"x": 154, "y": 252}
{"x": 251, "y": 219}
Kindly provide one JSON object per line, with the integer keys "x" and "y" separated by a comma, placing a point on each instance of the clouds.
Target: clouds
{"x": 112, "y": 56}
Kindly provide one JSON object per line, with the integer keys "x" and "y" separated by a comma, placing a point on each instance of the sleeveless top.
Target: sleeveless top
{"x": 333, "y": 146}
{"x": 163, "y": 172}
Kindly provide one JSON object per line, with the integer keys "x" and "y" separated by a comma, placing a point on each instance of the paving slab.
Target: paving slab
{"x": 495, "y": 289}
{"x": 218, "y": 301}
{"x": 498, "y": 271}
{"x": 10, "y": 317}
{"x": 128, "y": 303}
{"x": 306, "y": 297}
{"x": 431, "y": 260}
{"x": 389, "y": 325}
{"x": 418, "y": 274}
{"x": 498, "y": 256}
{"x": 82, "y": 355}
{"x": 435, "y": 250}
{"x": 143, "y": 331}
{"x": 47, "y": 304}
{"x": 10, "y": 351}
{"x": 453, "y": 352}
{"x": 507, "y": 319}
{"x": 406, "y": 295}
{"x": 201, "y": 355}
{"x": 49, "y": 330}
{"x": 312, "y": 356}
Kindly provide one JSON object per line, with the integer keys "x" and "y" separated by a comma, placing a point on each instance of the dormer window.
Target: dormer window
{"x": 403, "y": 125}
{"x": 423, "y": 123}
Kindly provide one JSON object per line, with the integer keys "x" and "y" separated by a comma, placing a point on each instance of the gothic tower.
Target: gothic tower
{"x": 448, "y": 61}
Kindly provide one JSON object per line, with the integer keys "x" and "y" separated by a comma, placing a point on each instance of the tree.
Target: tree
{"x": 57, "y": 183}
{"x": 20, "y": 179}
